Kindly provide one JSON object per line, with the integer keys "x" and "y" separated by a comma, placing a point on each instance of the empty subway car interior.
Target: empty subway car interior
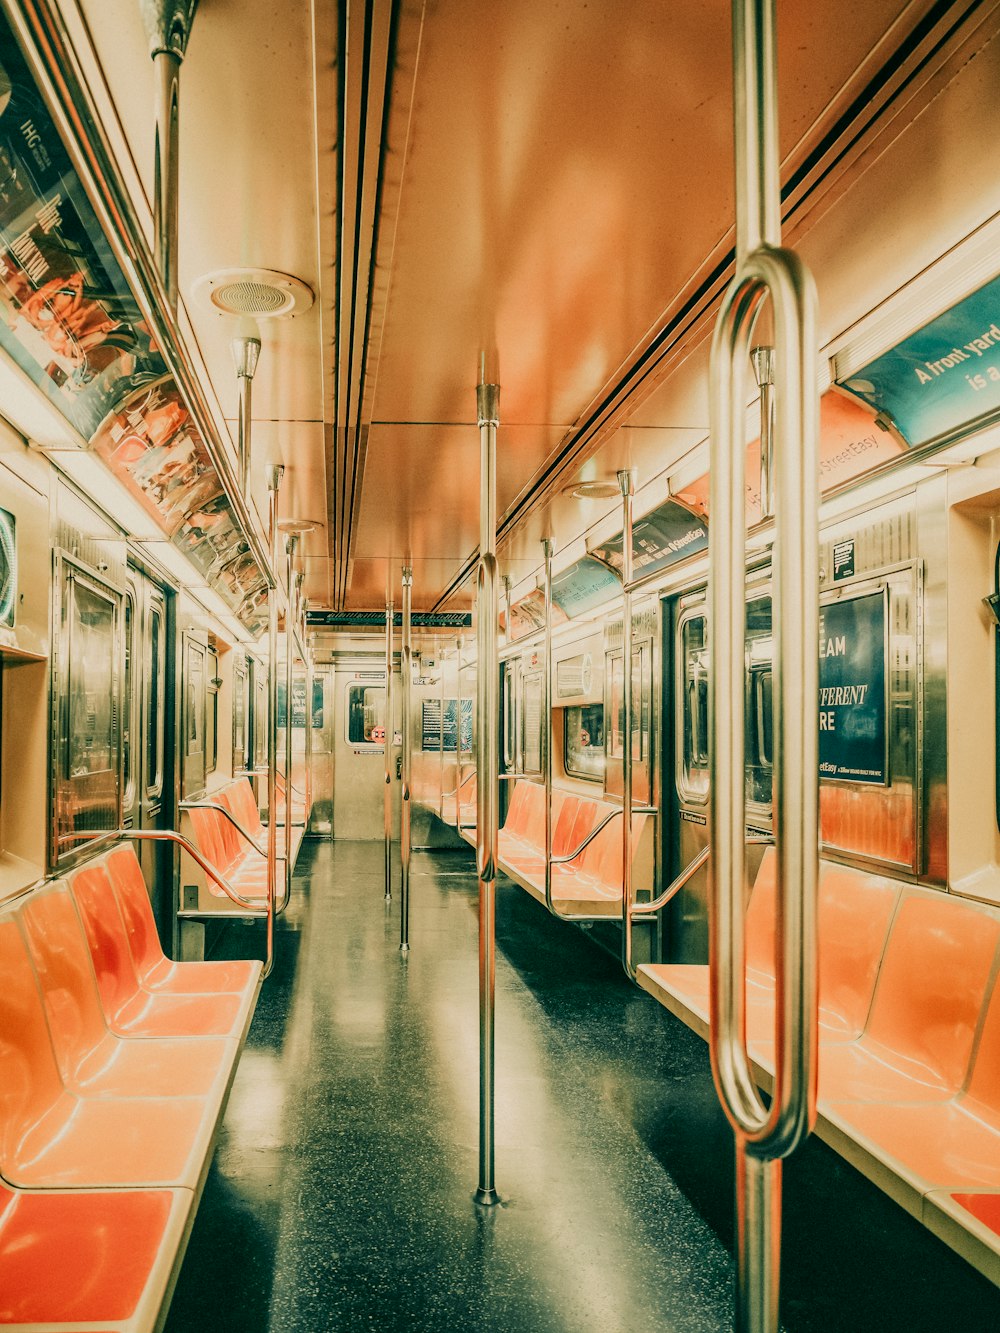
{"x": 499, "y": 666}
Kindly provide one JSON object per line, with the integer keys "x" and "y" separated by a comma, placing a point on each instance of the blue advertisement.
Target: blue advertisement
{"x": 583, "y": 587}
{"x": 659, "y": 539}
{"x": 943, "y": 376}
{"x": 852, "y": 676}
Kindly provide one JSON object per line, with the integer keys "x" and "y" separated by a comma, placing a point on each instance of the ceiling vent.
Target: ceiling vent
{"x": 254, "y": 293}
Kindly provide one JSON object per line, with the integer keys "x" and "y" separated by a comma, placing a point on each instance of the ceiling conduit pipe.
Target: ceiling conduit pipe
{"x": 487, "y": 770}
{"x": 764, "y": 1134}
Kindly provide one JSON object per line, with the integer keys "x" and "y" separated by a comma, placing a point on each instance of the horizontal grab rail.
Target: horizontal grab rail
{"x": 169, "y": 835}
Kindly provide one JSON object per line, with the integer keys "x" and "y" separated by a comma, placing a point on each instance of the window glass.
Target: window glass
{"x": 757, "y": 740}
{"x": 692, "y": 682}
{"x": 365, "y": 714}
{"x": 212, "y": 729}
{"x": 154, "y": 695}
{"x": 583, "y": 741}
{"x": 533, "y": 723}
{"x": 91, "y": 676}
{"x": 128, "y": 709}
{"x": 194, "y": 710}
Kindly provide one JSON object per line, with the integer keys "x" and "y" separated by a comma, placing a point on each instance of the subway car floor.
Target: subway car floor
{"x": 340, "y": 1197}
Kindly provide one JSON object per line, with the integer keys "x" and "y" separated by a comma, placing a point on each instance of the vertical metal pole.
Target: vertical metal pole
{"x": 764, "y": 1134}
{"x": 167, "y": 68}
{"x": 246, "y": 352}
{"x": 168, "y": 27}
{"x": 458, "y": 740}
{"x": 441, "y": 763}
{"x": 308, "y": 738}
{"x": 487, "y": 769}
{"x": 291, "y": 542}
{"x": 389, "y": 635}
{"x": 626, "y": 487}
{"x": 273, "y": 486}
{"x": 406, "y": 679}
{"x": 548, "y": 550}
{"x": 763, "y": 369}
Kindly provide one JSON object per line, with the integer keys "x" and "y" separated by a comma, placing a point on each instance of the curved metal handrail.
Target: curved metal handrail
{"x": 690, "y": 870}
{"x": 227, "y": 814}
{"x": 455, "y": 790}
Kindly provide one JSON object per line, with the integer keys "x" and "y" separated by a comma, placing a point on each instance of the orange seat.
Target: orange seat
{"x": 132, "y": 1010}
{"x": 51, "y": 1138}
{"x": 155, "y": 971}
{"x": 88, "y": 1259}
{"x": 90, "y": 1058}
{"x": 955, "y": 1142}
{"x": 927, "y": 1003}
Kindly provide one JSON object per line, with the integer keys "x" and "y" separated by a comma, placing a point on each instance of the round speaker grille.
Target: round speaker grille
{"x": 251, "y": 298}
{"x": 256, "y": 293}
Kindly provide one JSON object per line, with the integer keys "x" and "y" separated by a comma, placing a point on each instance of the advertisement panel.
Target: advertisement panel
{"x": 852, "y": 689}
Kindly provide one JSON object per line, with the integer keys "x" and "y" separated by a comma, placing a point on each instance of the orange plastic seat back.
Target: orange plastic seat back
{"x": 609, "y": 871}
{"x": 760, "y": 922}
{"x": 932, "y": 983}
{"x": 984, "y": 1085}
{"x": 205, "y": 826}
{"x": 562, "y": 828}
{"x": 129, "y": 887}
{"x": 29, "y": 1079}
{"x": 233, "y": 844}
{"x": 58, "y": 949}
{"x": 117, "y": 979}
{"x": 243, "y": 804}
{"x": 533, "y": 831}
{"x": 855, "y": 911}
{"x": 603, "y": 845}
{"x": 586, "y": 818}
{"x": 517, "y": 811}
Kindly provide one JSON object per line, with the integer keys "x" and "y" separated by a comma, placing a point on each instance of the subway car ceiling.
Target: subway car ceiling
{"x": 427, "y": 193}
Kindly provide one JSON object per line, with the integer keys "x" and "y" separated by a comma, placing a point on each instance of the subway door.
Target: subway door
{"x": 147, "y": 778}
{"x": 359, "y": 763}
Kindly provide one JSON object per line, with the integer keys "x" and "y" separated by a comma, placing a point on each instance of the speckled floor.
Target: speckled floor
{"x": 341, "y": 1193}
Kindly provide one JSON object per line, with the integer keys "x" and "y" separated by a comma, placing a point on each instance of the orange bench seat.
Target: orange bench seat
{"x": 105, "y": 1136}
{"x": 909, "y": 1054}
{"x": 590, "y": 883}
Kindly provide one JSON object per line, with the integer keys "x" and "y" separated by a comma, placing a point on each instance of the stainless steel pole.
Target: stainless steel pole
{"x": 764, "y": 1134}
{"x": 406, "y": 680}
{"x": 626, "y": 487}
{"x": 246, "y": 352}
{"x": 310, "y": 681}
{"x": 487, "y": 770}
{"x": 548, "y": 550}
{"x": 168, "y": 27}
{"x": 291, "y": 542}
{"x": 458, "y": 740}
{"x": 387, "y": 813}
{"x": 273, "y": 485}
{"x": 763, "y": 369}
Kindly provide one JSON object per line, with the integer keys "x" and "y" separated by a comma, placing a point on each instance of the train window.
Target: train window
{"x": 758, "y": 702}
{"x": 128, "y": 706}
{"x": 583, "y": 742}
{"x": 508, "y": 705}
{"x": 212, "y": 726}
{"x": 640, "y": 705}
{"x": 532, "y": 732}
{"x": 241, "y": 707}
{"x": 366, "y": 715}
{"x": 692, "y": 701}
{"x": 154, "y": 697}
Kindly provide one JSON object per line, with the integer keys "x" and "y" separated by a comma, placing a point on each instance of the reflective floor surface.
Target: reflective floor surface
{"x": 340, "y": 1197}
